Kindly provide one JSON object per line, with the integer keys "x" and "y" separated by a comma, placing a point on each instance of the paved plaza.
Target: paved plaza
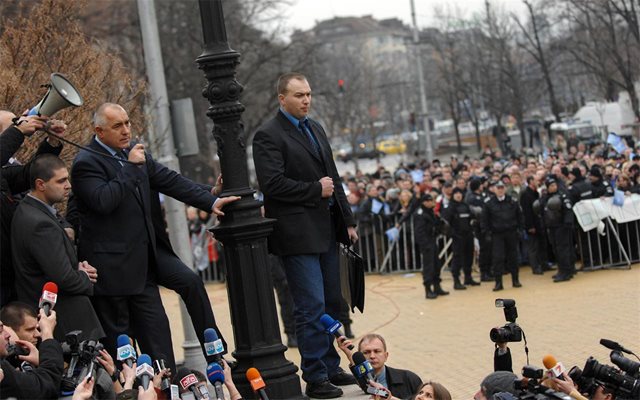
{"x": 447, "y": 339}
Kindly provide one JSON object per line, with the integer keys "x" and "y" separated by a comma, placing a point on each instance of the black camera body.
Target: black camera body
{"x": 81, "y": 356}
{"x": 623, "y": 385}
{"x": 510, "y": 332}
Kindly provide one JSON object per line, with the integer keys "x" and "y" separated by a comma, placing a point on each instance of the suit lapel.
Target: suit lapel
{"x": 297, "y": 135}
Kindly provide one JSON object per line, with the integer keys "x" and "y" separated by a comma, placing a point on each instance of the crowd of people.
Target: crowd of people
{"x": 501, "y": 211}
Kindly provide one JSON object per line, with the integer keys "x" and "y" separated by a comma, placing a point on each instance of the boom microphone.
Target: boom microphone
{"x": 216, "y": 377}
{"x": 48, "y": 298}
{"x": 126, "y": 352}
{"x": 144, "y": 371}
{"x": 615, "y": 346}
{"x": 213, "y": 346}
{"x": 332, "y": 327}
{"x": 556, "y": 369}
{"x": 257, "y": 383}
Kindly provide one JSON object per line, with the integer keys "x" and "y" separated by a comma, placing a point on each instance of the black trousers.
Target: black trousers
{"x": 504, "y": 254}
{"x": 430, "y": 265}
{"x": 485, "y": 255}
{"x": 561, "y": 238}
{"x": 537, "y": 250}
{"x": 142, "y": 316}
{"x": 462, "y": 255}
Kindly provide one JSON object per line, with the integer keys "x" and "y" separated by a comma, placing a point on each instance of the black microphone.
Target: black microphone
{"x": 615, "y": 346}
{"x": 160, "y": 365}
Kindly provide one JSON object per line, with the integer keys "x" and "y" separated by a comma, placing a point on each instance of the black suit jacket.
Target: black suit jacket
{"x": 288, "y": 172}
{"x": 117, "y": 234}
{"x": 42, "y": 252}
{"x": 402, "y": 383}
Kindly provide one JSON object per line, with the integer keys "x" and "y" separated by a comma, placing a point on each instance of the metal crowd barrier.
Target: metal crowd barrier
{"x": 617, "y": 247}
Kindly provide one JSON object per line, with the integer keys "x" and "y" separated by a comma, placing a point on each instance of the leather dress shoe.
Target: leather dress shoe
{"x": 498, "y": 287}
{"x": 458, "y": 286}
{"x": 439, "y": 290}
{"x": 471, "y": 282}
{"x": 516, "y": 284}
{"x": 323, "y": 390}
{"x": 343, "y": 378}
{"x": 561, "y": 278}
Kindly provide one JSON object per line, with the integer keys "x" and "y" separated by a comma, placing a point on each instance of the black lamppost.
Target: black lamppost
{"x": 243, "y": 231}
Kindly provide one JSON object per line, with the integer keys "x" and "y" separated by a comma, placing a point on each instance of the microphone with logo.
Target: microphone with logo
{"x": 332, "y": 327}
{"x": 364, "y": 373}
{"x": 215, "y": 374}
{"x": 48, "y": 298}
{"x": 126, "y": 353}
{"x": 555, "y": 368}
{"x": 257, "y": 383}
{"x": 144, "y": 371}
{"x": 188, "y": 382}
{"x": 213, "y": 347}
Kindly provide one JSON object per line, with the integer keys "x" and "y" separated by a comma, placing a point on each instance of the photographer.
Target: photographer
{"x": 43, "y": 381}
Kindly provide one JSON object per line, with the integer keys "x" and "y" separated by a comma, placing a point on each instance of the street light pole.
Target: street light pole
{"x": 423, "y": 94}
{"x": 243, "y": 231}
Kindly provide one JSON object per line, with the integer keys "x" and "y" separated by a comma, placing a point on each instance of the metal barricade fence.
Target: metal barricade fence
{"x": 373, "y": 246}
{"x": 617, "y": 247}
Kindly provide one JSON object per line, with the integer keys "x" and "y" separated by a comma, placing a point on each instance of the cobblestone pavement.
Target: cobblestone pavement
{"x": 447, "y": 339}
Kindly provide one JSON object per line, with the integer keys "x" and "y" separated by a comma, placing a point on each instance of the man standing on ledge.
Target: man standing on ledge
{"x": 302, "y": 190}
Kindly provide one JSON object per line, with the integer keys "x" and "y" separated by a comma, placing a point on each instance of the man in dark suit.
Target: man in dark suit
{"x": 112, "y": 193}
{"x": 42, "y": 252}
{"x": 302, "y": 190}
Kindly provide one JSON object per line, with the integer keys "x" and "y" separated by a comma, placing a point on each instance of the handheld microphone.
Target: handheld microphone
{"x": 126, "y": 353}
{"x": 555, "y": 368}
{"x": 213, "y": 346}
{"x": 160, "y": 365}
{"x": 188, "y": 381}
{"x": 48, "y": 298}
{"x": 144, "y": 371}
{"x": 363, "y": 368}
{"x": 332, "y": 327}
{"x": 216, "y": 377}
{"x": 615, "y": 346}
{"x": 257, "y": 384}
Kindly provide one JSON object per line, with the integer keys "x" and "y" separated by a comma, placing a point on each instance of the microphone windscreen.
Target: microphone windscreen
{"x": 123, "y": 340}
{"x": 254, "y": 378}
{"x": 358, "y": 358}
{"x": 50, "y": 287}
{"x": 210, "y": 335}
{"x": 549, "y": 361}
{"x": 182, "y": 372}
{"x": 327, "y": 321}
{"x": 144, "y": 359}
{"x": 215, "y": 373}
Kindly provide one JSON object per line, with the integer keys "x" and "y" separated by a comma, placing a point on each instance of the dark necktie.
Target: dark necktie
{"x": 309, "y": 135}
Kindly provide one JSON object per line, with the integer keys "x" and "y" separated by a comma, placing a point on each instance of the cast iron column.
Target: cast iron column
{"x": 243, "y": 231}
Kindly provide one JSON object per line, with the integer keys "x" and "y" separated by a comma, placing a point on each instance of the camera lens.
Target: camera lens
{"x": 499, "y": 335}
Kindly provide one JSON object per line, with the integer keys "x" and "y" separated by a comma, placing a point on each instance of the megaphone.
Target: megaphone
{"x": 61, "y": 94}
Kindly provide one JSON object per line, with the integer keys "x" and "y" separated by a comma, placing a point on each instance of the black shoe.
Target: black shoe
{"x": 459, "y": 286}
{"x": 471, "y": 282}
{"x": 561, "y": 278}
{"x": 292, "y": 341}
{"x": 347, "y": 331}
{"x": 431, "y": 294}
{"x": 323, "y": 390}
{"x": 486, "y": 278}
{"x": 538, "y": 271}
{"x": 516, "y": 284}
{"x": 439, "y": 290}
{"x": 343, "y": 378}
{"x": 498, "y": 287}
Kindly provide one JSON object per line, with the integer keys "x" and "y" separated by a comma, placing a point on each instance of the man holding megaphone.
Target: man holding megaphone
{"x": 113, "y": 184}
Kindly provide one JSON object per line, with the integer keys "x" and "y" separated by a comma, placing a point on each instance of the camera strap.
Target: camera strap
{"x": 526, "y": 348}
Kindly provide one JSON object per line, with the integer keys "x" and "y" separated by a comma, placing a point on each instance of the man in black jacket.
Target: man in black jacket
{"x": 502, "y": 219}
{"x": 44, "y": 381}
{"x": 426, "y": 226}
{"x": 459, "y": 216}
{"x": 536, "y": 239}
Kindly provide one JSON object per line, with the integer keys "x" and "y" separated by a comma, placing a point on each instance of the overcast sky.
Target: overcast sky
{"x": 304, "y": 13}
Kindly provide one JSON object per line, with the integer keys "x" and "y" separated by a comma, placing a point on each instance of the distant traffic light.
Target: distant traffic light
{"x": 341, "y": 86}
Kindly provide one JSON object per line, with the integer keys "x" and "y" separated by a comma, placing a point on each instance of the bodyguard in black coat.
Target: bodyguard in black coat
{"x": 42, "y": 252}
{"x": 536, "y": 237}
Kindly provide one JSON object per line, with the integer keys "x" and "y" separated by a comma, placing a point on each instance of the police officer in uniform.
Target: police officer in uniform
{"x": 459, "y": 216}
{"x": 475, "y": 199}
{"x": 599, "y": 186}
{"x": 501, "y": 220}
{"x": 426, "y": 227}
{"x": 558, "y": 221}
{"x": 579, "y": 189}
